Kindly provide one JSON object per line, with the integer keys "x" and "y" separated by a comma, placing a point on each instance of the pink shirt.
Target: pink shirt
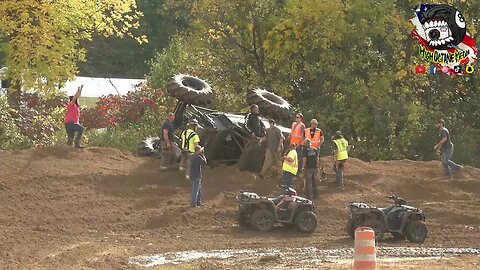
{"x": 73, "y": 113}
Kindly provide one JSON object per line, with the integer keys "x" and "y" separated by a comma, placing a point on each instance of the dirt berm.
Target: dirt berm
{"x": 94, "y": 208}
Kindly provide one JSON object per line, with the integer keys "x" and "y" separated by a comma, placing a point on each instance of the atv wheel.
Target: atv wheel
{"x": 262, "y": 220}
{"x": 350, "y": 228}
{"x": 189, "y": 89}
{"x": 306, "y": 222}
{"x": 242, "y": 221}
{"x": 377, "y": 227}
{"x": 416, "y": 231}
{"x": 269, "y": 104}
{"x": 149, "y": 147}
{"x": 398, "y": 235}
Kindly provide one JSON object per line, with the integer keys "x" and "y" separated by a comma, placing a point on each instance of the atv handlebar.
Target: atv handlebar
{"x": 393, "y": 197}
{"x": 396, "y": 199}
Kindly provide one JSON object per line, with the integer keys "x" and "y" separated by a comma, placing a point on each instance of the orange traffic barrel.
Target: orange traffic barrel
{"x": 365, "y": 258}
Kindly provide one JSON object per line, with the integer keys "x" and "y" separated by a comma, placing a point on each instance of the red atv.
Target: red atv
{"x": 289, "y": 210}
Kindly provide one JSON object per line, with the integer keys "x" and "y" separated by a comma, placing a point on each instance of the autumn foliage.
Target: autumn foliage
{"x": 30, "y": 119}
{"x": 115, "y": 110}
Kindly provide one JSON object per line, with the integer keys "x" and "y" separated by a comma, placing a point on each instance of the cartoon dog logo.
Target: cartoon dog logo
{"x": 444, "y": 26}
{"x": 441, "y": 31}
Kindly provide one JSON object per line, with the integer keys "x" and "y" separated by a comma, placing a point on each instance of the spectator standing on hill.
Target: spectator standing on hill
{"x": 196, "y": 162}
{"x": 190, "y": 139}
{"x": 341, "y": 156}
{"x": 72, "y": 120}
{"x": 290, "y": 166}
{"x": 253, "y": 123}
{"x": 311, "y": 168}
{"x": 297, "y": 137}
{"x": 168, "y": 154}
{"x": 274, "y": 140}
{"x": 445, "y": 148}
{"x": 316, "y": 137}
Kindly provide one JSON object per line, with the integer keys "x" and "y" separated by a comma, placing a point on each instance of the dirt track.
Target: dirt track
{"x": 95, "y": 208}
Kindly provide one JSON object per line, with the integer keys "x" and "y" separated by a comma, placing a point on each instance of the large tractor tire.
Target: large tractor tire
{"x": 270, "y": 105}
{"x": 189, "y": 89}
{"x": 149, "y": 147}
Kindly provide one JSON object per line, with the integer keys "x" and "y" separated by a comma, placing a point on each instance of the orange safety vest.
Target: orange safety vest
{"x": 315, "y": 141}
{"x": 296, "y": 135}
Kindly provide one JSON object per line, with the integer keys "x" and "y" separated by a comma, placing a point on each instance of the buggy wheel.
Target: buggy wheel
{"x": 262, "y": 220}
{"x": 306, "y": 222}
{"x": 149, "y": 147}
{"x": 416, "y": 231}
{"x": 350, "y": 228}
{"x": 269, "y": 104}
{"x": 377, "y": 227}
{"x": 189, "y": 89}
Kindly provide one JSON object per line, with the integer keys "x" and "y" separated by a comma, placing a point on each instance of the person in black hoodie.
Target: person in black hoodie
{"x": 253, "y": 123}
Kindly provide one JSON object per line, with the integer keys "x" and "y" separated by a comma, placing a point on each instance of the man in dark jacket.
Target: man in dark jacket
{"x": 196, "y": 162}
{"x": 311, "y": 170}
{"x": 253, "y": 123}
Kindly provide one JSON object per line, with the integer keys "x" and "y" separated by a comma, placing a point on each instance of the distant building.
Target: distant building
{"x": 92, "y": 87}
{"x": 96, "y": 87}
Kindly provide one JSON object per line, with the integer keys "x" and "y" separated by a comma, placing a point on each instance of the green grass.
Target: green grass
{"x": 90, "y": 102}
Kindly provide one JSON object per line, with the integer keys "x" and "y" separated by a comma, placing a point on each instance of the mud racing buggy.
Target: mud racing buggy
{"x": 399, "y": 219}
{"x": 223, "y": 135}
{"x": 289, "y": 210}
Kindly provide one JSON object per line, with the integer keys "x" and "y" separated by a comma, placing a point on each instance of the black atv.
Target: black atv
{"x": 289, "y": 210}
{"x": 399, "y": 219}
{"x": 224, "y": 135}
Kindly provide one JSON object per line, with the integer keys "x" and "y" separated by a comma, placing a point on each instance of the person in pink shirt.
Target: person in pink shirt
{"x": 72, "y": 120}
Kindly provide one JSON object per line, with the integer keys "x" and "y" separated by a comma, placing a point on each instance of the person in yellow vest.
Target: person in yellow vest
{"x": 190, "y": 140}
{"x": 290, "y": 166}
{"x": 297, "y": 137}
{"x": 341, "y": 156}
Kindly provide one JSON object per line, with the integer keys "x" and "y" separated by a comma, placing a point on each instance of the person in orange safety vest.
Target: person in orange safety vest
{"x": 315, "y": 135}
{"x": 297, "y": 137}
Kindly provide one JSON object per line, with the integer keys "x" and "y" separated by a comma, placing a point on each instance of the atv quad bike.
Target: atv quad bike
{"x": 399, "y": 219}
{"x": 223, "y": 135}
{"x": 289, "y": 210}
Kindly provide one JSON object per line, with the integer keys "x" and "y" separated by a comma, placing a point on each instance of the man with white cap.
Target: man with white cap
{"x": 315, "y": 135}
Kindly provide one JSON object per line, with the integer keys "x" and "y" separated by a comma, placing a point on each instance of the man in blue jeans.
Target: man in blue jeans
{"x": 445, "y": 148}
{"x": 196, "y": 162}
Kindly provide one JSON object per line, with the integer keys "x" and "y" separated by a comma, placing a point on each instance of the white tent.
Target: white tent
{"x": 96, "y": 87}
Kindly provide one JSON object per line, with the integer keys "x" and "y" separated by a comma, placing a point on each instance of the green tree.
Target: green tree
{"x": 41, "y": 39}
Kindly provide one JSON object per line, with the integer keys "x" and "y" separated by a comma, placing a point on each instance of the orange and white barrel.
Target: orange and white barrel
{"x": 365, "y": 253}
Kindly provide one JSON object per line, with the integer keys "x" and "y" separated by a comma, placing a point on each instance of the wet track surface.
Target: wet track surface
{"x": 309, "y": 255}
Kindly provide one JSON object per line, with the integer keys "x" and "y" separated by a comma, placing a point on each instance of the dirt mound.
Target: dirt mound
{"x": 93, "y": 208}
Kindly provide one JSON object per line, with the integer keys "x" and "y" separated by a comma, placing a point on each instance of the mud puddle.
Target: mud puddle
{"x": 310, "y": 255}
